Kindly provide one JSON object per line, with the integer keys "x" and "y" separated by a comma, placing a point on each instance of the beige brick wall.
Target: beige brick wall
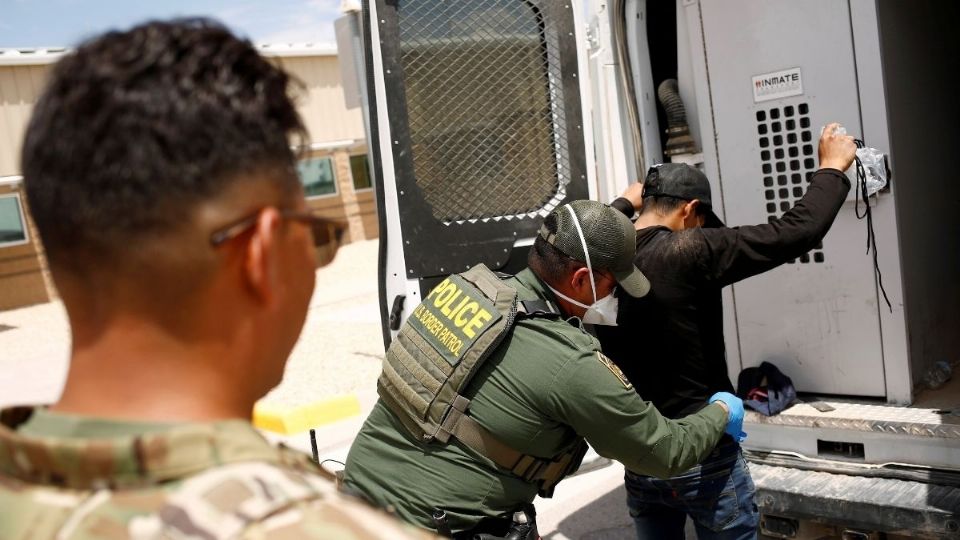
{"x": 356, "y": 208}
{"x": 24, "y": 276}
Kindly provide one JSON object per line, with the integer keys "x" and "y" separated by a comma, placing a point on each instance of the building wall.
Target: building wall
{"x": 335, "y": 131}
{"x": 330, "y": 122}
{"x": 20, "y": 86}
{"x": 357, "y": 208}
{"x": 24, "y": 279}
{"x": 321, "y": 102}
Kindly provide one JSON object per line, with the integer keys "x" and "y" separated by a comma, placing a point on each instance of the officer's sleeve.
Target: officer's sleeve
{"x": 592, "y": 396}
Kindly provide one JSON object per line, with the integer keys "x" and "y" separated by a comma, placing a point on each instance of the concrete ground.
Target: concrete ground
{"x": 339, "y": 352}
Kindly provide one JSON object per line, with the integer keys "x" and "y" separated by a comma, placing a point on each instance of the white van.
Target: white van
{"x": 484, "y": 115}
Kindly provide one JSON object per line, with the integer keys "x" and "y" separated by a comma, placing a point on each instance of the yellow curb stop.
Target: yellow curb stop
{"x": 289, "y": 420}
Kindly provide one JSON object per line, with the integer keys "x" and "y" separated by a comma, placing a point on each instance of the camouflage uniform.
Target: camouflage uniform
{"x": 104, "y": 479}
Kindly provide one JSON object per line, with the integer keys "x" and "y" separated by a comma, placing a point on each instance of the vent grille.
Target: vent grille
{"x": 485, "y": 107}
{"x": 787, "y": 161}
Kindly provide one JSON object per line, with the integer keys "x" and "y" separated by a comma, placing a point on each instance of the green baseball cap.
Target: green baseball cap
{"x": 610, "y": 240}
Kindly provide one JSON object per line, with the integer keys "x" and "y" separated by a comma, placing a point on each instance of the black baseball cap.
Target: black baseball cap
{"x": 681, "y": 181}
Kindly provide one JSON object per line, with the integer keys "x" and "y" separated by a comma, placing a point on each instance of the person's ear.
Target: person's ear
{"x": 261, "y": 260}
{"x": 688, "y": 214}
{"x": 580, "y": 280}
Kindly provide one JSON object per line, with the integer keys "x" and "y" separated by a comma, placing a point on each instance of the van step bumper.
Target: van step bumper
{"x": 874, "y": 504}
{"x": 860, "y": 433}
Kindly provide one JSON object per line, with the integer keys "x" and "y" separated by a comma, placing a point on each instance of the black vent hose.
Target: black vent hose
{"x": 679, "y": 140}
{"x": 669, "y": 94}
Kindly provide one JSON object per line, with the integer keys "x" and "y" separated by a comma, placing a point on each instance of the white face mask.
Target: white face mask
{"x": 602, "y": 311}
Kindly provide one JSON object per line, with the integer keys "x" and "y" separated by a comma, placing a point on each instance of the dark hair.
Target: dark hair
{"x": 662, "y": 204}
{"x": 548, "y": 262}
{"x": 136, "y": 127}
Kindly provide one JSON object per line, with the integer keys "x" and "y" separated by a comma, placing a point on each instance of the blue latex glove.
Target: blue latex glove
{"x": 735, "y": 415}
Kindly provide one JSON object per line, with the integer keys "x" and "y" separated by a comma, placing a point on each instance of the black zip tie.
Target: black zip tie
{"x": 861, "y": 192}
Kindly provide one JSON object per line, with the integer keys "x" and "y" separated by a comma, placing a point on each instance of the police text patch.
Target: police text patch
{"x": 452, "y": 317}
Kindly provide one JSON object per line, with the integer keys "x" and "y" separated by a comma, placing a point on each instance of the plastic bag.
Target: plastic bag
{"x": 875, "y": 168}
{"x": 874, "y": 164}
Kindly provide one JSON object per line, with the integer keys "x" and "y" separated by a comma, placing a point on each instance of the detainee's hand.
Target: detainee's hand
{"x": 836, "y": 151}
{"x": 634, "y": 194}
{"x": 734, "y": 407}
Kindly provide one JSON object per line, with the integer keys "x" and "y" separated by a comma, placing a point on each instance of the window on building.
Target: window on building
{"x": 316, "y": 175}
{"x": 13, "y": 228}
{"x": 360, "y": 169}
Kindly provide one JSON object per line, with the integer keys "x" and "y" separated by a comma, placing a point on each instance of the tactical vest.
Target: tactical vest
{"x": 436, "y": 354}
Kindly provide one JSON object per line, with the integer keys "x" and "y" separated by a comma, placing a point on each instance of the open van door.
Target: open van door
{"x": 478, "y": 128}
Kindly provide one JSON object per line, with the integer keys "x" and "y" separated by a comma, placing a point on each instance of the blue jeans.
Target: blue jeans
{"x": 717, "y": 495}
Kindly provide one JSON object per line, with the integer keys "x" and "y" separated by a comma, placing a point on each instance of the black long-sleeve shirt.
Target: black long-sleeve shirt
{"x": 670, "y": 342}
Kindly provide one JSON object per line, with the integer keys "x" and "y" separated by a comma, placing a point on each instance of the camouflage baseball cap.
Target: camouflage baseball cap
{"x": 610, "y": 239}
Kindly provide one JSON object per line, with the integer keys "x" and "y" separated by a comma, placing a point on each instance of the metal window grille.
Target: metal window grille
{"x": 485, "y": 107}
{"x": 787, "y": 160}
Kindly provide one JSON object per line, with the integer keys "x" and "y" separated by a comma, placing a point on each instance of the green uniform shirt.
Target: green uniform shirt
{"x": 546, "y": 386}
{"x": 74, "y": 477}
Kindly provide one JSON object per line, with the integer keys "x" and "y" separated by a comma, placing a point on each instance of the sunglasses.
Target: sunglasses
{"x": 327, "y": 233}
